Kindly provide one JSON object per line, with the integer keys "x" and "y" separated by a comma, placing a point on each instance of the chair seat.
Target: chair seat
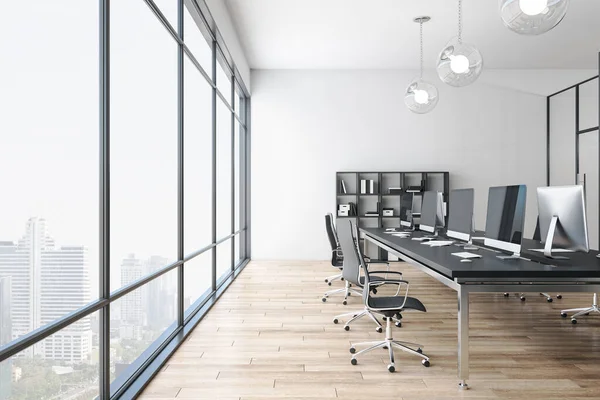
{"x": 394, "y": 303}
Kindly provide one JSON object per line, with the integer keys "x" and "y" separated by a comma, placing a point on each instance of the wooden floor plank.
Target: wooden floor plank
{"x": 271, "y": 336}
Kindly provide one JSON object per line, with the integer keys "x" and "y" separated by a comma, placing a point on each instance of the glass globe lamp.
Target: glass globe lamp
{"x": 532, "y": 17}
{"x": 459, "y": 64}
{"x": 421, "y": 96}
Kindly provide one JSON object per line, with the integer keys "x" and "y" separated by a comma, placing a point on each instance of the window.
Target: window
{"x": 198, "y": 278}
{"x": 195, "y": 41}
{"x": 197, "y": 160}
{"x": 143, "y": 136}
{"x": 139, "y": 318}
{"x": 64, "y": 365}
{"x": 224, "y": 150}
{"x": 224, "y": 83}
{"x": 49, "y": 153}
{"x": 224, "y": 258}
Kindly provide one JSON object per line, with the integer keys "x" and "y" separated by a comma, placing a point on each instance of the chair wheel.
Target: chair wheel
{"x": 326, "y": 280}
{"x": 573, "y": 321}
{"x": 352, "y": 350}
{"x": 342, "y": 279}
{"x": 349, "y": 293}
{"x": 398, "y": 324}
{"x": 425, "y": 363}
{"x": 523, "y": 298}
{"x": 398, "y": 316}
{"x": 346, "y": 328}
{"x": 559, "y": 296}
{"x": 384, "y": 347}
{"x": 549, "y": 299}
{"x": 329, "y": 283}
{"x": 586, "y": 314}
{"x": 353, "y": 361}
{"x": 374, "y": 291}
{"x": 344, "y": 302}
{"x": 391, "y": 368}
{"x": 379, "y": 329}
{"x": 324, "y": 299}
{"x": 563, "y": 314}
{"x": 384, "y": 319}
{"x": 420, "y": 350}
{"x": 335, "y": 320}
{"x": 506, "y": 294}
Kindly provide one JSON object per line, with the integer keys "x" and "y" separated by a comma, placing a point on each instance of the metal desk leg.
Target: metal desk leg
{"x": 463, "y": 337}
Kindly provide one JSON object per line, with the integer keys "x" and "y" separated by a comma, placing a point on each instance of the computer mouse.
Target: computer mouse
{"x": 465, "y": 260}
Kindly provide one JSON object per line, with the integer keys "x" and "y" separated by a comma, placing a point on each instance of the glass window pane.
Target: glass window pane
{"x": 143, "y": 136}
{"x": 195, "y": 41}
{"x": 224, "y": 258}
{"x": 237, "y": 250}
{"x": 169, "y": 10}
{"x": 62, "y": 366}
{"x": 588, "y": 105}
{"x": 49, "y": 156}
{"x": 198, "y": 278}
{"x": 223, "y": 83}
{"x": 223, "y": 170}
{"x": 197, "y": 159}
{"x": 236, "y": 172}
{"x": 140, "y": 317}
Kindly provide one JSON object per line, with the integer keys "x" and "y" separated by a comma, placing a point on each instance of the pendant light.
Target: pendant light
{"x": 421, "y": 96}
{"x": 532, "y": 17}
{"x": 459, "y": 64}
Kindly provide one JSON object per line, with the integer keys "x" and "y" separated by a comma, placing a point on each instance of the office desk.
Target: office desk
{"x": 489, "y": 274}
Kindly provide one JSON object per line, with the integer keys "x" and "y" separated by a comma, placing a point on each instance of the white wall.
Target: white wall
{"x": 309, "y": 124}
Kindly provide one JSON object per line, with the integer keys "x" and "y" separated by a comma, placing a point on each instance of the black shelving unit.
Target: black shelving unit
{"x": 425, "y": 180}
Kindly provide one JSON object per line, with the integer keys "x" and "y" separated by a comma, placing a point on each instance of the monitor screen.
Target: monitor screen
{"x": 506, "y": 214}
{"x": 460, "y": 219}
{"x": 429, "y": 210}
{"x": 406, "y": 206}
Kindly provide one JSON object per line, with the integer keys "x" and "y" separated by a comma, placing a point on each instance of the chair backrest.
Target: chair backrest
{"x": 351, "y": 271}
{"x": 361, "y": 261}
{"x": 331, "y": 235}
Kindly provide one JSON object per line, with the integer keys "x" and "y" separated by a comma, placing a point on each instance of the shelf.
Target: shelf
{"x": 347, "y": 216}
{"x": 387, "y": 194}
{"x": 368, "y": 194}
{"x": 393, "y": 216}
{"x": 346, "y": 194}
{"x": 368, "y": 216}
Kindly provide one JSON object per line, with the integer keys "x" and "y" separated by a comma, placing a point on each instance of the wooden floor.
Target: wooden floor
{"x": 270, "y": 336}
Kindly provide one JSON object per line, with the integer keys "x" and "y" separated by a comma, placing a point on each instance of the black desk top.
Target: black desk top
{"x": 440, "y": 259}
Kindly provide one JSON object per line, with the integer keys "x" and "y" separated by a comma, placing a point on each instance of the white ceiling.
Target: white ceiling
{"x": 374, "y": 34}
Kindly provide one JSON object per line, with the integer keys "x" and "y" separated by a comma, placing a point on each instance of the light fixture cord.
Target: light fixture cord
{"x": 460, "y": 21}
{"x": 421, "y": 26}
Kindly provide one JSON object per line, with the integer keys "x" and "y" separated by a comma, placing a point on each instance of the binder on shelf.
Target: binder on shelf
{"x": 395, "y": 190}
{"x": 413, "y": 189}
{"x": 343, "y": 187}
{"x": 363, "y": 186}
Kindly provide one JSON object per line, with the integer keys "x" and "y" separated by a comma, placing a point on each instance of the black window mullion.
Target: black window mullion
{"x": 214, "y": 165}
{"x": 180, "y": 166}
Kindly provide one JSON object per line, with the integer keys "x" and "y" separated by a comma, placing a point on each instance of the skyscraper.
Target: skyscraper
{"x": 5, "y": 336}
{"x": 160, "y": 295}
{"x": 132, "y": 313}
{"x": 47, "y": 283}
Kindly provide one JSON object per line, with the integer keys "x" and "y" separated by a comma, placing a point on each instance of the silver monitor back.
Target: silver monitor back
{"x": 562, "y": 218}
{"x": 432, "y": 212}
{"x": 505, "y": 218}
{"x": 460, "y": 217}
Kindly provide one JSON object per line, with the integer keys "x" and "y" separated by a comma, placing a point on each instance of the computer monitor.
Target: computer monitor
{"x": 506, "y": 218}
{"x": 406, "y": 208}
{"x": 460, "y": 217}
{"x": 432, "y": 213}
{"x": 562, "y": 219}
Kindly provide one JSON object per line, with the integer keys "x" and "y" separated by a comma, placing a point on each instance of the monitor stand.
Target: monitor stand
{"x": 550, "y": 240}
{"x": 514, "y": 256}
{"x": 468, "y": 245}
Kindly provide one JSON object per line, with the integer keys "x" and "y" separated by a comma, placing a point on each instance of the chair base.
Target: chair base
{"x": 332, "y": 278}
{"x": 389, "y": 343}
{"x": 546, "y": 295}
{"x": 359, "y": 314}
{"x": 582, "y": 311}
{"x": 346, "y": 291}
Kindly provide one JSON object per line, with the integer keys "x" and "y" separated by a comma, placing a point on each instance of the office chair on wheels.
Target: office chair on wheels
{"x": 352, "y": 276}
{"x": 582, "y": 311}
{"x": 388, "y": 306}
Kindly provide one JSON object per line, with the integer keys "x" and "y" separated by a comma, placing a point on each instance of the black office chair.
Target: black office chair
{"x": 388, "y": 306}
{"x": 352, "y": 276}
{"x": 337, "y": 259}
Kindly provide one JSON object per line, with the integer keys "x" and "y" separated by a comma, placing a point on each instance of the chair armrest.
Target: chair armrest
{"x": 378, "y": 262}
{"x": 386, "y": 272}
{"x": 397, "y": 282}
